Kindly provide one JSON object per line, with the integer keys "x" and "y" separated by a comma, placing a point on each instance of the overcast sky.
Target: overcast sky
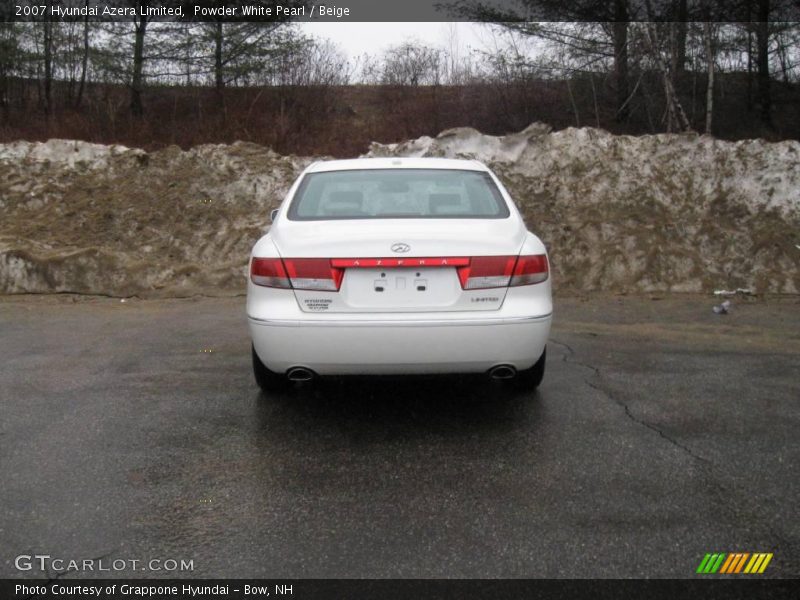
{"x": 359, "y": 38}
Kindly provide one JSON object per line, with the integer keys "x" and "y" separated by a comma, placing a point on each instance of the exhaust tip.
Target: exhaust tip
{"x": 300, "y": 374}
{"x": 502, "y": 372}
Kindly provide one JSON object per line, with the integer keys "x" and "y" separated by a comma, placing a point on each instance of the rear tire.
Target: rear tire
{"x": 267, "y": 380}
{"x": 529, "y": 379}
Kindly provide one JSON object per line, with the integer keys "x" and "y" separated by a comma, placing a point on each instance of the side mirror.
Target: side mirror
{"x": 273, "y": 214}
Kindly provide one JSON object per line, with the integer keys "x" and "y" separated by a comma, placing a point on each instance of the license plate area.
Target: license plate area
{"x": 401, "y": 287}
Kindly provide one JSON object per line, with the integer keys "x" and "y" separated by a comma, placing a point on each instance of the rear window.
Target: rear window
{"x": 397, "y": 194}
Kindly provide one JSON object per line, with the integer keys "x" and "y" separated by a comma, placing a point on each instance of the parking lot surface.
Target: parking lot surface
{"x": 134, "y": 431}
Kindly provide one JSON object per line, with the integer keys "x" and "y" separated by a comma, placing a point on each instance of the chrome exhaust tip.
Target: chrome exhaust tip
{"x": 300, "y": 374}
{"x": 502, "y": 372}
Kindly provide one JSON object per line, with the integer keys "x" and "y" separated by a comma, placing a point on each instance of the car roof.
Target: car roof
{"x": 395, "y": 162}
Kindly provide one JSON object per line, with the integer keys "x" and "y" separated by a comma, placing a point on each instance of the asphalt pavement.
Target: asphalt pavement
{"x": 133, "y": 431}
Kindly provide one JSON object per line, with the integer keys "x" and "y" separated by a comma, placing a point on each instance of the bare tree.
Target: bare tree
{"x": 140, "y": 29}
{"x": 678, "y": 37}
{"x": 709, "y": 47}
{"x": 675, "y": 115}
{"x": 598, "y": 28}
{"x": 620, "y": 28}
{"x": 84, "y": 58}
{"x": 47, "y": 48}
{"x": 369, "y": 69}
{"x": 762, "y": 61}
{"x": 411, "y": 63}
{"x": 458, "y": 69}
{"x": 9, "y": 48}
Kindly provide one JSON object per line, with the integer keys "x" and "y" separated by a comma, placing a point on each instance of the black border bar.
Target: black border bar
{"x": 707, "y": 588}
{"x": 402, "y": 10}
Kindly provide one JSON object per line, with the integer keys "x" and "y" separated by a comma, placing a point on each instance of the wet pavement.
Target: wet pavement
{"x": 134, "y": 431}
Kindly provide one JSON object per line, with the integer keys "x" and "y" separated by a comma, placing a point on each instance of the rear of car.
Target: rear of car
{"x": 387, "y": 266}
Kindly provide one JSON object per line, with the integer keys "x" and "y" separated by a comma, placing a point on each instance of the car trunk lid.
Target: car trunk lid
{"x": 397, "y": 265}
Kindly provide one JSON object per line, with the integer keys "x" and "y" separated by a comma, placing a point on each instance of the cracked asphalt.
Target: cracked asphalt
{"x": 134, "y": 431}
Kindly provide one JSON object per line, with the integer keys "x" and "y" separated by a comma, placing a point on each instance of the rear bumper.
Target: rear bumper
{"x": 386, "y": 346}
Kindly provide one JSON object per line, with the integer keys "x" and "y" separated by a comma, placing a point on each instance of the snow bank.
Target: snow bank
{"x": 70, "y": 154}
{"x": 667, "y": 167}
{"x": 649, "y": 213}
{"x": 680, "y": 213}
{"x": 92, "y": 219}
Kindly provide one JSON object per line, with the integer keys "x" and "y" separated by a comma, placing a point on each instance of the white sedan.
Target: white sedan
{"x": 398, "y": 265}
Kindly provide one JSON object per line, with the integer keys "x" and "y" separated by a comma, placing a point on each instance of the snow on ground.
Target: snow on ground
{"x": 92, "y": 219}
{"x": 640, "y": 214}
{"x": 680, "y": 213}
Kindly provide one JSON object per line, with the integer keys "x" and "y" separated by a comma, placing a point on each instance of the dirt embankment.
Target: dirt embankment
{"x": 650, "y": 213}
{"x": 95, "y": 219}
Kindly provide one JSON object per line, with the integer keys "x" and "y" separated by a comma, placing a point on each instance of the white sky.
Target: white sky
{"x": 359, "y": 38}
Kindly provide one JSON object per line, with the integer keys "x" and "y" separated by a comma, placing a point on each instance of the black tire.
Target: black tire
{"x": 529, "y": 379}
{"x": 267, "y": 380}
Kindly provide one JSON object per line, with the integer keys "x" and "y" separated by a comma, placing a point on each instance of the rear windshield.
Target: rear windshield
{"x": 397, "y": 194}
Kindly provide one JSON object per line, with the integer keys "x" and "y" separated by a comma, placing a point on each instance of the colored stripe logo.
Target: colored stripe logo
{"x": 734, "y": 563}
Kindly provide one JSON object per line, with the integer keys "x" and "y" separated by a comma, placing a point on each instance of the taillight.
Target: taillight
{"x": 530, "y": 269}
{"x": 323, "y": 274}
{"x": 487, "y": 272}
{"x": 502, "y": 271}
{"x": 313, "y": 274}
{"x": 298, "y": 273}
{"x": 269, "y": 272}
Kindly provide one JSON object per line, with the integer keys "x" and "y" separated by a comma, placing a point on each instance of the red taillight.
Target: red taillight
{"x": 323, "y": 274}
{"x": 298, "y": 273}
{"x": 502, "y": 271}
{"x": 530, "y": 269}
{"x": 269, "y": 272}
{"x": 313, "y": 274}
{"x": 487, "y": 272}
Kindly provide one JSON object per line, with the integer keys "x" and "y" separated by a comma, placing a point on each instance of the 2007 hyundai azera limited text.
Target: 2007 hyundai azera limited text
{"x": 387, "y": 266}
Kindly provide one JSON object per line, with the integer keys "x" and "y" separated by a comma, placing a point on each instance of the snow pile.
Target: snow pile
{"x": 650, "y": 213}
{"x": 465, "y": 142}
{"x": 94, "y": 219}
{"x": 71, "y": 154}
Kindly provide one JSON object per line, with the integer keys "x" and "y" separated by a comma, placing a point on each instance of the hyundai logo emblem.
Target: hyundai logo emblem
{"x": 400, "y": 248}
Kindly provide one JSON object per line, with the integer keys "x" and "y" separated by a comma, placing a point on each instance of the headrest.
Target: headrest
{"x": 444, "y": 203}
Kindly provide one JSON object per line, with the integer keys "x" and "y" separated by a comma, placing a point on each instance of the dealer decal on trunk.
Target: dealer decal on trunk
{"x": 317, "y": 303}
